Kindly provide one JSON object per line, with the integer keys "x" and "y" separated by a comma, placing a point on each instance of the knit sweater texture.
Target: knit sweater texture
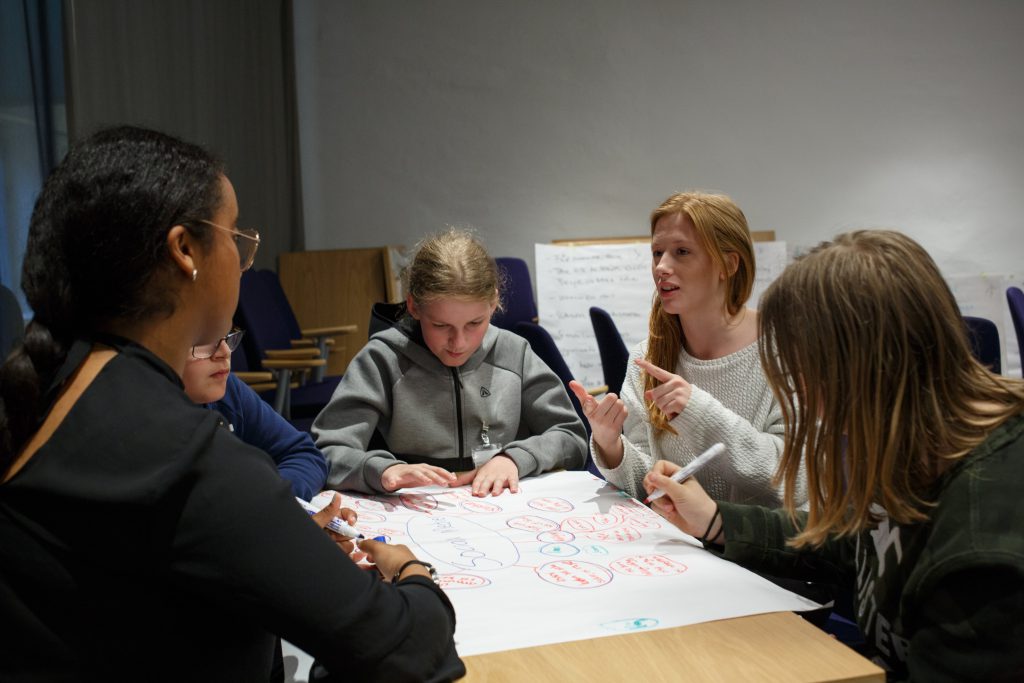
{"x": 731, "y": 403}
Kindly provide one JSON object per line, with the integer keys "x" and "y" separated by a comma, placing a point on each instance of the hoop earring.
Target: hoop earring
{"x": 195, "y": 274}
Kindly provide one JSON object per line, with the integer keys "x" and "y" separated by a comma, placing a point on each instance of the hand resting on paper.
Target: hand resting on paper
{"x": 409, "y": 476}
{"x": 497, "y": 474}
{"x": 329, "y": 512}
{"x": 606, "y": 418}
{"x": 686, "y": 504}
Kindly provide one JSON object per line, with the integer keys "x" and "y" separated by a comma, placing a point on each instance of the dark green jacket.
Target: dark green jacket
{"x": 942, "y": 600}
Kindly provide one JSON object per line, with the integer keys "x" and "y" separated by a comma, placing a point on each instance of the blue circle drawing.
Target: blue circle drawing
{"x": 560, "y": 549}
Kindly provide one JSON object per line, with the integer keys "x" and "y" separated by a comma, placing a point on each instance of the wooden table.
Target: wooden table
{"x": 766, "y": 647}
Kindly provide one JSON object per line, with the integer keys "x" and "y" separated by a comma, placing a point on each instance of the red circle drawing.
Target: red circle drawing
{"x": 551, "y": 504}
{"x": 371, "y": 517}
{"x": 418, "y": 502}
{"x": 531, "y": 523}
{"x": 573, "y": 574}
{"x": 578, "y": 524}
{"x": 367, "y": 504}
{"x": 461, "y": 581}
{"x": 556, "y": 536}
{"x": 482, "y": 506}
{"x": 648, "y": 565}
{"x": 625, "y": 534}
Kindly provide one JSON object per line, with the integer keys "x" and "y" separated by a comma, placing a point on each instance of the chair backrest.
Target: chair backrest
{"x": 265, "y": 315}
{"x": 614, "y": 355}
{"x": 384, "y": 315}
{"x": 984, "y": 337}
{"x": 1015, "y": 297}
{"x": 520, "y": 304}
{"x": 544, "y": 346}
{"x": 12, "y": 323}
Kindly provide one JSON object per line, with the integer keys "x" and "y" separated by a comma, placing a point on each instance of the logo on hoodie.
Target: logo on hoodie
{"x": 484, "y": 392}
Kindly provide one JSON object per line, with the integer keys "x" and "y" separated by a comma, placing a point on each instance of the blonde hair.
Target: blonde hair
{"x": 862, "y": 342}
{"x": 452, "y": 264}
{"x": 721, "y": 229}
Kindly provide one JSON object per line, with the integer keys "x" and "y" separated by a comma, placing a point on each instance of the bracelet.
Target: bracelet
{"x": 704, "y": 539}
{"x": 426, "y": 565}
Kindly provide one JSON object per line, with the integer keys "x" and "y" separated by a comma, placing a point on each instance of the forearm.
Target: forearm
{"x": 630, "y": 473}
{"x": 755, "y": 537}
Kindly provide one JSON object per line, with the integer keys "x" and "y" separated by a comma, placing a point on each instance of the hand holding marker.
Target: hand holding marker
{"x": 691, "y": 469}
{"x": 337, "y": 524}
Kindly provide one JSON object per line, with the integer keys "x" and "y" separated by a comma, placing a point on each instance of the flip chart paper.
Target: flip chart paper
{"x": 569, "y": 557}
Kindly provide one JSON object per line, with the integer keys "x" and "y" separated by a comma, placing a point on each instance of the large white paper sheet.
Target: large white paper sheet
{"x": 569, "y": 557}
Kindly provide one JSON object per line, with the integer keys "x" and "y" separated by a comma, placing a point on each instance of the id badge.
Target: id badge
{"x": 482, "y": 453}
{"x": 485, "y": 450}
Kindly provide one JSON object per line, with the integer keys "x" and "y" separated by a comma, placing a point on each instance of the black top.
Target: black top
{"x": 143, "y": 541}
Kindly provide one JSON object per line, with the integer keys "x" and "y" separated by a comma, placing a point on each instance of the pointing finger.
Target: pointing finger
{"x": 653, "y": 370}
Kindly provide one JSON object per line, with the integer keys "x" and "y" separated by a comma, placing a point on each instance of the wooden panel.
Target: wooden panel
{"x": 765, "y": 647}
{"x": 335, "y": 287}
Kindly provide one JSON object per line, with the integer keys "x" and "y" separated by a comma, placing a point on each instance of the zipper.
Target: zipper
{"x": 458, "y": 415}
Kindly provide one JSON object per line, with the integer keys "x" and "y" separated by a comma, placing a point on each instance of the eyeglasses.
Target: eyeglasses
{"x": 246, "y": 248}
{"x": 232, "y": 339}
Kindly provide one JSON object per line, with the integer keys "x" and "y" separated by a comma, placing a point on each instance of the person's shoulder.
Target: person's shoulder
{"x": 134, "y": 408}
{"x": 507, "y": 349}
{"x": 506, "y": 339}
{"x": 981, "y": 494}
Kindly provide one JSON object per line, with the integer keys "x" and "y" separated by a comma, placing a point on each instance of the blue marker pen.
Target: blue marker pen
{"x": 336, "y": 524}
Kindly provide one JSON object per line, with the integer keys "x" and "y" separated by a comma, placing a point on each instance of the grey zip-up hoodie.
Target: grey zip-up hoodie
{"x": 397, "y": 403}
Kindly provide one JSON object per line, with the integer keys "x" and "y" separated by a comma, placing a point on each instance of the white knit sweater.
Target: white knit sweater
{"x": 731, "y": 402}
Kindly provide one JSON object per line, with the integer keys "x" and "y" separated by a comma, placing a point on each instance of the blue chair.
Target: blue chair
{"x": 613, "y": 352}
{"x": 520, "y": 304}
{"x": 274, "y": 342}
{"x": 12, "y": 324}
{"x": 984, "y": 338}
{"x": 544, "y": 346}
{"x": 1015, "y": 298}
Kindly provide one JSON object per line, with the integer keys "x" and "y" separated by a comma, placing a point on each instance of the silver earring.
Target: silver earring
{"x": 195, "y": 274}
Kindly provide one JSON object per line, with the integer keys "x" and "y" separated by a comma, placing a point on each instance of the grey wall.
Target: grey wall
{"x": 217, "y": 73}
{"x": 537, "y": 120}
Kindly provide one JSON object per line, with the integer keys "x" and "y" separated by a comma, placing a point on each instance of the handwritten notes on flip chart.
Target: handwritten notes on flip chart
{"x": 617, "y": 278}
{"x": 567, "y": 558}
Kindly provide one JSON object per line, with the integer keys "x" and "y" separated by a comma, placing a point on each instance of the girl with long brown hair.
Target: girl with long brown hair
{"x": 914, "y": 456}
{"x": 696, "y": 380}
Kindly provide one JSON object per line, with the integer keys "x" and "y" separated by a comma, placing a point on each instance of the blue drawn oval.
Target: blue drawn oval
{"x": 560, "y": 549}
{"x": 461, "y": 543}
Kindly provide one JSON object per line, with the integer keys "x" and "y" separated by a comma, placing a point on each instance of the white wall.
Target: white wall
{"x": 537, "y": 120}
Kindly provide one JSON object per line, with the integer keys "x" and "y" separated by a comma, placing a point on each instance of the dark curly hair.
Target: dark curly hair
{"x": 97, "y": 240}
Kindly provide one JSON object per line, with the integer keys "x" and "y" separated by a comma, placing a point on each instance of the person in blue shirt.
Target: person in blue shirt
{"x": 208, "y": 380}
